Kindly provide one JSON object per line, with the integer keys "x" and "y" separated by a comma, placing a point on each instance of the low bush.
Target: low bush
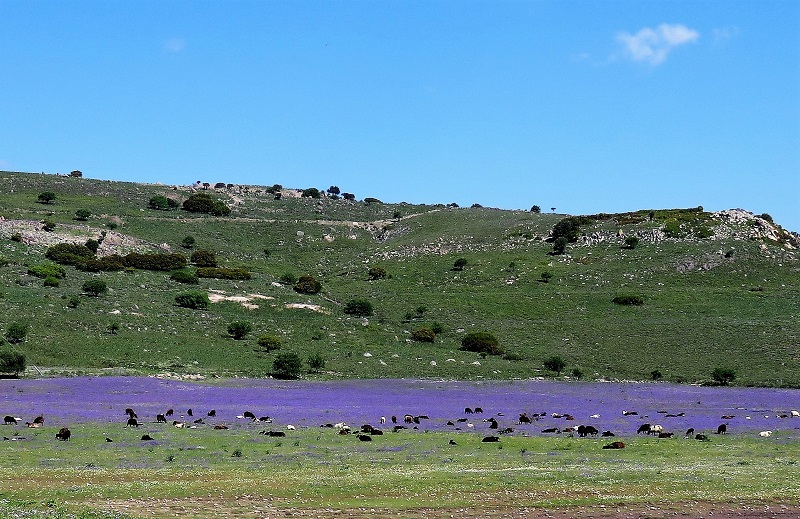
{"x": 631, "y": 242}
{"x": 11, "y": 361}
{"x": 82, "y": 215}
{"x": 205, "y": 203}
{"x": 358, "y": 308}
{"x": 239, "y": 329}
{"x": 48, "y": 197}
{"x": 723, "y": 376}
{"x": 162, "y": 203}
{"x": 555, "y": 363}
{"x": 47, "y": 270}
{"x": 51, "y": 282}
{"x": 157, "y": 262}
{"x": 316, "y": 362}
{"x": 204, "y": 258}
{"x": 69, "y": 253}
{"x": 287, "y": 365}
{"x": 195, "y": 300}
{"x": 423, "y": 335}
{"x": 112, "y": 263}
{"x": 188, "y": 242}
{"x": 459, "y": 264}
{"x": 185, "y": 276}
{"x": 270, "y": 343}
{"x": 94, "y": 287}
{"x": 628, "y": 299}
{"x": 306, "y": 284}
{"x": 16, "y": 332}
{"x": 481, "y": 342}
{"x": 288, "y": 278}
{"x": 376, "y": 273}
{"x": 223, "y": 273}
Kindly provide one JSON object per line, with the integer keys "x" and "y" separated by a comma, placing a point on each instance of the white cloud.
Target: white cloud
{"x": 654, "y": 45}
{"x": 175, "y": 45}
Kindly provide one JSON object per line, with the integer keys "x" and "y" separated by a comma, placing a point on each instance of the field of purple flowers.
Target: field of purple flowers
{"x": 616, "y": 407}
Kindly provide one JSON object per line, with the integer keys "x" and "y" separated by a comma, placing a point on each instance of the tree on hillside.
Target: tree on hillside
{"x": 568, "y": 228}
{"x": 82, "y": 215}
{"x": 334, "y": 190}
{"x": 76, "y": 173}
{"x": 311, "y": 192}
{"x": 95, "y": 287}
{"x": 481, "y": 342}
{"x": 287, "y": 365}
{"x": 536, "y": 209}
{"x": 48, "y": 197}
{"x": 239, "y": 329}
{"x": 560, "y": 245}
{"x": 723, "y": 376}
{"x": 11, "y": 361}
{"x": 555, "y": 363}
{"x": 306, "y": 284}
{"x": 16, "y": 332}
{"x": 459, "y": 264}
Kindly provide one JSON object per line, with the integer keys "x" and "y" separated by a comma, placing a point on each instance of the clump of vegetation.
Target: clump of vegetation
{"x": 205, "y": 203}
{"x": 157, "y": 262}
{"x": 568, "y": 228}
{"x": 69, "y": 253}
{"x": 185, "y": 276}
{"x": 270, "y": 343}
{"x": 162, "y": 203}
{"x": 423, "y": 335}
{"x": 112, "y": 263}
{"x": 82, "y": 215}
{"x": 316, "y": 362}
{"x": 73, "y": 301}
{"x": 656, "y": 375}
{"x": 358, "y": 308}
{"x": 188, "y": 242}
{"x": 631, "y": 242}
{"x": 204, "y": 258}
{"x": 306, "y": 284}
{"x": 16, "y": 332}
{"x": 51, "y": 282}
{"x": 481, "y": 342}
{"x": 555, "y": 363}
{"x": 94, "y": 287}
{"x": 311, "y": 192}
{"x": 195, "y": 300}
{"x": 11, "y": 361}
{"x": 239, "y": 329}
{"x": 48, "y": 225}
{"x": 288, "y": 278}
{"x": 546, "y": 276}
{"x": 287, "y": 365}
{"x": 223, "y": 273}
{"x": 47, "y": 270}
{"x": 459, "y": 264}
{"x": 628, "y": 299}
{"x": 47, "y": 197}
{"x": 376, "y": 272}
{"x": 723, "y": 376}
{"x": 560, "y": 245}
{"x": 113, "y": 328}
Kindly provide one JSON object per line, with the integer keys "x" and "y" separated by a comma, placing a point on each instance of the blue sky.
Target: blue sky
{"x": 595, "y": 106}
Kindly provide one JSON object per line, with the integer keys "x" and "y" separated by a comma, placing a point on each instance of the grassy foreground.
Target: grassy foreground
{"x": 243, "y": 474}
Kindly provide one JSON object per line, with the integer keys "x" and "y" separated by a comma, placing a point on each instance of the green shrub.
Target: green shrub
{"x": 82, "y": 215}
{"x": 631, "y": 242}
{"x": 11, "y": 361}
{"x": 205, "y": 203}
{"x": 656, "y": 375}
{"x": 95, "y": 287}
{"x": 673, "y": 229}
{"x": 270, "y": 343}
{"x": 554, "y": 363}
{"x": 459, "y": 264}
{"x": 239, "y": 329}
{"x": 287, "y": 365}
{"x": 288, "y": 278}
{"x": 628, "y": 299}
{"x": 721, "y": 376}
{"x": 316, "y": 362}
{"x": 437, "y": 328}
{"x": 113, "y": 328}
{"x": 51, "y": 282}
{"x": 536, "y": 209}
{"x": 376, "y": 273}
{"x": 306, "y": 284}
{"x": 69, "y": 253}
{"x": 204, "y": 258}
{"x": 16, "y": 237}
{"x": 162, "y": 203}
{"x": 423, "y": 335}
{"x": 358, "y": 308}
{"x": 370, "y": 200}
{"x": 223, "y": 273}
{"x": 560, "y": 245}
{"x": 568, "y": 228}
{"x": 48, "y": 197}
{"x": 73, "y": 302}
{"x": 3, "y": 261}
{"x": 16, "y": 332}
{"x": 112, "y": 263}
{"x": 47, "y": 270}
{"x": 157, "y": 262}
{"x": 703, "y": 232}
{"x": 481, "y": 342}
{"x": 188, "y": 242}
{"x": 546, "y": 276}
{"x": 311, "y": 192}
{"x": 195, "y": 300}
{"x": 92, "y": 245}
{"x": 48, "y": 225}
{"x": 577, "y": 373}
{"x": 185, "y": 276}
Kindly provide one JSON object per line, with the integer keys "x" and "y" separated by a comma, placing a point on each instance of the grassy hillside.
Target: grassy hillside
{"x": 718, "y": 291}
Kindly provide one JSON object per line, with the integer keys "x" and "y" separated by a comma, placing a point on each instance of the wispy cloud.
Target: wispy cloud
{"x": 654, "y": 45}
{"x": 175, "y": 45}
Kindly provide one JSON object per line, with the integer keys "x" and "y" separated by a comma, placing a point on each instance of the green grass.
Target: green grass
{"x": 316, "y": 469}
{"x": 739, "y": 312}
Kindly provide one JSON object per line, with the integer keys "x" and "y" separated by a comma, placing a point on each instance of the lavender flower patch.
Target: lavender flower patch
{"x": 617, "y": 407}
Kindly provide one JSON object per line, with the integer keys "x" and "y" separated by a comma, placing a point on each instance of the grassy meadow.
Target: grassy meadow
{"x": 237, "y": 473}
{"x": 724, "y": 301}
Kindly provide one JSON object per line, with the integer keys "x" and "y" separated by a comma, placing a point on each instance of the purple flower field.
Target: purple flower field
{"x": 66, "y": 401}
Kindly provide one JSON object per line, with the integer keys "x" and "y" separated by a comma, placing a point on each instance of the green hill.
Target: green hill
{"x": 719, "y": 290}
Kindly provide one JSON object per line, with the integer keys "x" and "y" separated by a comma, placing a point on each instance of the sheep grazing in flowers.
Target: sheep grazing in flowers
{"x": 765, "y": 434}
{"x": 63, "y": 434}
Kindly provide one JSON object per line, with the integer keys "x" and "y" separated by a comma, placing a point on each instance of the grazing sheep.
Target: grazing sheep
{"x": 587, "y": 430}
{"x": 265, "y": 419}
{"x": 178, "y": 425}
{"x": 490, "y": 439}
{"x": 169, "y": 412}
{"x": 364, "y": 437}
{"x": 796, "y": 414}
{"x": 248, "y": 414}
{"x": 146, "y": 438}
{"x": 130, "y": 413}
{"x": 467, "y": 410}
{"x": 722, "y": 429}
{"x": 132, "y": 422}
{"x": 290, "y": 428}
{"x": 383, "y": 419}
{"x": 452, "y": 442}
{"x": 550, "y": 430}
{"x": 629, "y": 413}
{"x": 190, "y": 412}
{"x": 274, "y": 434}
{"x": 665, "y": 434}
{"x": 220, "y": 427}
{"x": 39, "y": 420}
{"x": 689, "y": 432}
{"x": 701, "y": 437}
{"x": 9, "y": 420}
{"x": 644, "y": 428}
{"x": 607, "y": 434}
{"x": 160, "y": 418}
{"x": 765, "y": 434}
{"x": 478, "y": 410}
{"x": 655, "y": 430}
{"x": 213, "y": 412}
{"x": 615, "y": 445}
{"x": 33, "y": 425}
{"x": 524, "y": 418}
{"x": 63, "y": 434}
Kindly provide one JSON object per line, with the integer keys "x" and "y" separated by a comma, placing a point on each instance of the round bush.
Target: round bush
{"x": 185, "y": 276}
{"x": 287, "y": 365}
{"x": 628, "y": 299}
{"x": 95, "y": 287}
{"x": 204, "y": 258}
{"x": 481, "y": 342}
{"x": 376, "y": 273}
{"x": 307, "y": 285}
{"x": 270, "y": 343}
{"x": 16, "y": 332}
{"x": 555, "y": 363}
{"x": 11, "y": 361}
{"x": 194, "y": 300}
{"x": 423, "y": 335}
{"x": 239, "y": 329}
{"x": 47, "y": 270}
{"x": 358, "y": 308}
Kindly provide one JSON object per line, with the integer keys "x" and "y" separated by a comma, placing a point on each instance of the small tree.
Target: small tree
{"x": 536, "y": 209}
{"x": 93, "y": 245}
{"x": 239, "y": 329}
{"x": 459, "y": 264}
{"x": 577, "y": 373}
{"x": 358, "y": 308}
{"x": 48, "y": 225}
{"x": 546, "y": 276}
{"x": 287, "y": 365}
{"x": 568, "y": 228}
{"x": 481, "y": 342}
{"x": 316, "y": 362}
{"x": 376, "y": 272}
{"x": 188, "y": 242}
{"x": 16, "y": 332}
{"x": 628, "y": 299}
{"x": 95, "y": 287}
{"x": 76, "y": 173}
{"x": 195, "y": 300}
{"x": 307, "y": 285}
{"x": 311, "y": 192}
{"x": 11, "y": 361}
{"x": 555, "y": 363}
{"x": 82, "y": 215}
{"x": 113, "y": 328}
{"x": 560, "y": 245}
{"x": 270, "y": 343}
{"x": 423, "y": 335}
{"x": 723, "y": 376}
{"x": 48, "y": 197}
{"x": 334, "y": 190}
{"x": 656, "y": 375}
{"x": 631, "y": 242}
